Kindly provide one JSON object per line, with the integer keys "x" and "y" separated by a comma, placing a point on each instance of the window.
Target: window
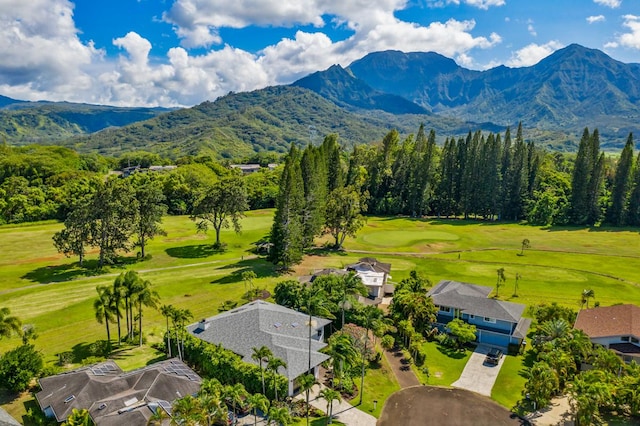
{"x": 445, "y": 309}
{"x": 472, "y": 316}
{"x": 491, "y": 320}
{"x": 634, "y": 340}
{"x": 624, "y": 338}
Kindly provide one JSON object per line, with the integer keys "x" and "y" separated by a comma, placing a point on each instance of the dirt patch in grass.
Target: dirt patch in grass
{"x": 427, "y": 405}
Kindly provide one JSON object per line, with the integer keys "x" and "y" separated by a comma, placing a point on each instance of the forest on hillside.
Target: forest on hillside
{"x": 484, "y": 175}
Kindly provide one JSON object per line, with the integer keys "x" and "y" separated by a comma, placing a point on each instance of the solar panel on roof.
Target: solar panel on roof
{"x": 165, "y": 406}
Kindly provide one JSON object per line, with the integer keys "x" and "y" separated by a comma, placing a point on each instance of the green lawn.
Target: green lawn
{"x": 46, "y": 289}
{"x": 445, "y": 365}
{"x": 379, "y": 384}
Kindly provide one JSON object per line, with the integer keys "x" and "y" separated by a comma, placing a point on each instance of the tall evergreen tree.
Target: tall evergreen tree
{"x": 594, "y": 189}
{"x": 519, "y": 179}
{"x": 447, "y": 203}
{"x": 314, "y": 179}
{"x": 616, "y": 215}
{"x": 287, "y": 230}
{"x": 331, "y": 152}
{"x": 580, "y": 180}
{"x": 506, "y": 172}
{"x": 633, "y": 217}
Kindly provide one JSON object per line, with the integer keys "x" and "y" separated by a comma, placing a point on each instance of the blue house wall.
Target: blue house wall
{"x": 491, "y": 333}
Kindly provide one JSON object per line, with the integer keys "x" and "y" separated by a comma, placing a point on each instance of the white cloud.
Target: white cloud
{"x": 40, "y": 50}
{"x": 480, "y": 4}
{"x": 594, "y": 19}
{"x": 532, "y": 54}
{"x": 613, "y": 4}
{"x": 532, "y": 30}
{"x": 631, "y": 38}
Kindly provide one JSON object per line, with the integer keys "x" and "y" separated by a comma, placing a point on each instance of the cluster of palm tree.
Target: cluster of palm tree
{"x": 179, "y": 318}
{"x": 8, "y": 323}
{"x": 264, "y": 355}
{"x": 125, "y": 299}
{"x": 561, "y": 351}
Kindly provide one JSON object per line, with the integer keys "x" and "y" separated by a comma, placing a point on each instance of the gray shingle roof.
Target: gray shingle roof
{"x": 472, "y": 299}
{"x": 104, "y": 390}
{"x": 284, "y": 331}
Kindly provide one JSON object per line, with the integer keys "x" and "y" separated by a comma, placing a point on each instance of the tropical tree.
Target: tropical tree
{"x": 167, "y": 312}
{"x": 236, "y": 394}
{"x": 350, "y": 285}
{"x": 290, "y": 293}
{"x": 306, "y": 383}
{"x": 248, "y": 277}
{"x": 343, "y": 354}
{"x": 387, "y": 342}
{"x": 590, "y": 391}
{"x": 123, "y": 290}
{"x": 279, "y": 415}
{"x": 19, "y": 366}
{"x": 224, "y": 201}
{"x": 501, "y": 280}
{"x": 8, "y": 324}
{"x": 316, "y": 304}
{"x": 158, "y": 418}
{"x": 144, "y": 296}
{"x": 103, "y": 308}
{"x": 273, "y": 364}
{"x": 74, "y": 238}
{"x": 542, "y": 384}
{"x": 462, "y": 332}
{"x": 179, "y": 317}
{"x": 260, "y": 355}
{"x": 554, "y": 329}
{"x": 585, "y": 296}
{"x": 79, "y": 418}
{"x": 186, "y": 411}
{"x": 525, "y": 245}
{"x": 330, "y": 395}
{"x": 515, "y": 285}
{"x": 256, "y": 402}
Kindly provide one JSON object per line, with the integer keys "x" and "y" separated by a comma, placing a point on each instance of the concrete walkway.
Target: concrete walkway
{"x": 342, "y": 411}
{"x": 401, "y": 368}
{"x": 478, "y": 376}
{"x": 558, "y": 413}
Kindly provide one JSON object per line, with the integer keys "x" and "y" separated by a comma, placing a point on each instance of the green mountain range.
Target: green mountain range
{"x": 555, "y": 99}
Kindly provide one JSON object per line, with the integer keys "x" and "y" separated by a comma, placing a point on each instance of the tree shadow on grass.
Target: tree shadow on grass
{"x": 260, "y": 267}
{"x": 70, "y": 271}
{"x": 453, "y": 353}
{"x": 198, "y": 251}
{"x": 529, "y": 358}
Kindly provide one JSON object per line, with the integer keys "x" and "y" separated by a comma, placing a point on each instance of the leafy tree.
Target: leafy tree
{"x": 542, "y": 384}
{"x": 287, "y": 237}
{"x": 590, "y": 391}
{"x": 343, "y": 217}
{"x": 225, "y": 200}
{"x": 73, "y": 239}
{"x": 330, "y": 395}
{"x": 79, "y": 418}
{"x": 350, "y": 285}
{"x": 552, "y": 311}
{"x": 247, "y": 278}
{"x": 289, "y": 293}
{"x": 260, "y": 355}
{"x": 236, "y": 394}
{"x": 279, "y": 415}
{"x": 8, "y": 323}
{"x": 343, "y": 354}
{"x": 525, "y": 245}
{"x": 151, "y": 208}
{"x": 462, "y": 332}
{"x": 387, "y": 342}
{"x": 114, "y": 213}
{"x": 19, "y": 366}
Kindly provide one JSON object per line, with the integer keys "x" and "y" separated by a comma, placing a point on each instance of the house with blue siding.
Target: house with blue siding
{"x": 497, "y": 322}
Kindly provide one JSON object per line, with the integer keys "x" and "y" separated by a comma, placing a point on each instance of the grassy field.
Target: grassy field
{"x": 46, "y": 289}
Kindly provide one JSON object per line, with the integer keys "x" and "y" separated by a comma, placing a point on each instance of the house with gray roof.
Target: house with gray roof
{"x": 6, "y": 419}
{"x": 284, "y": 331}
{"x": 497, "y": 322}
{"x": 114, "y": 397}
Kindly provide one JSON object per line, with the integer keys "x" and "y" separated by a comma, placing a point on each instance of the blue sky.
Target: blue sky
{"x": 183, "y": 52}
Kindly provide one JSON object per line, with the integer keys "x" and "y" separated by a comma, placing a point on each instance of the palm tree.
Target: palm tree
{"x": 273, "y": 364}
{"x": 316, "y": 305}
{"x": 258, "y": 401}
{"x": 525, "y": 245}
{"x": 144, "y": 296}
{"x": 186, "y": 411}
{"x": 237, "y": 394}
{"x": 586, "y": 295}
{"x": 103, "y": 309}
{"x": 124, "y": 288}
{"x": 179, "y": 317}
{"x": 158, "y": 417}
{"x": 350, "y": 285}
{"x": 8, "y": 323}
{"x": 279, "y": 415}
{"x": 501, "y": 280}
{"x": 248, "y": 277}
{"x": 515, "y": 286}
{"x": 330, "y": 395}
{"x": 306, "y": 383}
{"x": 343, "y": 353}
{"x": 79, "y": 418}
{"x": 555, "y": 329}
{"x": 167, "y": 311}
{"x": 261, "y": 354}
{"x": 371, "y": 313}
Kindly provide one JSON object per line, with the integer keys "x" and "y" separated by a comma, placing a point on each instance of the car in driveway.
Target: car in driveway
{"x": 493, "y": 356}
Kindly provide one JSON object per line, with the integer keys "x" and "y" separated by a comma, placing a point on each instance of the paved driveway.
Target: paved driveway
{"x": 342, "y": 411}
{"x": 478, "y": 376}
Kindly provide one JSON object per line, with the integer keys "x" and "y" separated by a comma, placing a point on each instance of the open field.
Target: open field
{"x": 46, "y": 289}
